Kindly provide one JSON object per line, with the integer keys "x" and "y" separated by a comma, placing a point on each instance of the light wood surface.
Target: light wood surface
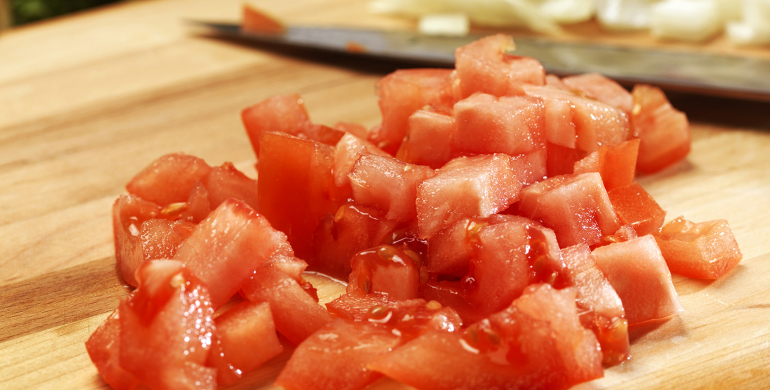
{"x": 88, "y": 100}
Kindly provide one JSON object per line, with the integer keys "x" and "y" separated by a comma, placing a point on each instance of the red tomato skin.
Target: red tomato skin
{"x": 244, "y": 340}
{"x": 227, "y": 182}
{"x": 403, "y": 92}
{"x": 664, "y": 131}
{"x": 169, "y": 179}
{"x": 103, "y": 347}
{"x": 296, "y": 314}
{"x": 485, "y": 124}
{"x": 226, "y": 247}
{"x": 705, "y": 250}
{"x": 385, "y": 269}
{"x": 296, "y": 187}
{"x": 636, "y": 208}
{"x": 484, "y": 66}
{"x": 576, "y": 207}
{"x": 601, "y": 88}
{"x": 638, "y": 273}
{"x": 345, "y": 348}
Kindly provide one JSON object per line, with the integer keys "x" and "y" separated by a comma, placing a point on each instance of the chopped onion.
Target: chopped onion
{"x": 624, "y": 14}
{"x": 444, "y": 25}
{"x": 686, "y": 20}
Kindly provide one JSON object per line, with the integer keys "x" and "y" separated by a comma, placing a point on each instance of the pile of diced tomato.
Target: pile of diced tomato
{"x": 489, "y": 230}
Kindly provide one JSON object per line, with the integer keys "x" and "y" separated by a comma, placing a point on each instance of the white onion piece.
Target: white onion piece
{"x": 686, "y": 20}
{"x": 730, "y": 9}
{"x": 453, "y": 25}
{"x": 754, "y": 29}
{"x": 624, "y": 14}
{"x": 568, "y": 11}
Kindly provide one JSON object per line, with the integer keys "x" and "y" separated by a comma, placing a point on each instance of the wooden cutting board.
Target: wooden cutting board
{"x": 86, "y": 101}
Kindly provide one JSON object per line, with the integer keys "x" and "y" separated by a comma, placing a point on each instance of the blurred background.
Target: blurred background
{"x": 18, "y": 12}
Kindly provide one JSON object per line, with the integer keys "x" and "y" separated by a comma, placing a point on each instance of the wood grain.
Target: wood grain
{"x": 88, "y": 100}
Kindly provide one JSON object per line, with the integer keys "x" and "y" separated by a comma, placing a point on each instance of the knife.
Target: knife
{"x": 693, "y": 72}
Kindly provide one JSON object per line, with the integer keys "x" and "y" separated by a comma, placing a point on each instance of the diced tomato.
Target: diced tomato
{"x": 705, "y": 250}
{"x": 638, "y": 273}
{"x": 103, "y": 347}
{"x": 161, "y": 238}
{"x": 428, "y": 140}
{"x": 485, "y": 124}
{"x": 615, "y": 163}
{"x": 536, "y": 343}
{"x": 245, "y": 338}
{"x": 350, "y": 230}
{"x": 663, "y": 130}
{"x": 531, "y": 168}
{"x": 296, "y": 314}
{"x": 403, "y": 92}
{"x": 227, "y": 182}
{"x": 561, "y": 160}
{"x": 636, "y": 208}
{"x": 576, "y": 207}
{"x": 553, "y": 81}
{"x": 337, "y": 357}
{"x": 283, "y": 259}
{"x": 485, "y": 66}
{"x": 586, "y": 122}
{"x": 166, "y": 328}
{"x": 598, "y": 87}
{"x": 225, "y": 248}
{"x": 389, "y": 184}
{"x": 507, "y": 257}
{"x": 348, "y": 151}
{"x": 296, "y": 187}
{"x": 168, "y": 179}
{"x": 385, "y": 269}
{"x": 280, "y": 113}
{"x": 355, "y": 129}
{"x": 466, "y": 187}
{"x": 198, "y": 206}
{"x": 600, "y": 307}
{"x": 449, "y": 251}
{"x": 450, "y": 293}
{"x": 128, "y": 214}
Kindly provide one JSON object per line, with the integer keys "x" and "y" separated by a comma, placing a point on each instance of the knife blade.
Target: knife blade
{"x": 686, "y": 71}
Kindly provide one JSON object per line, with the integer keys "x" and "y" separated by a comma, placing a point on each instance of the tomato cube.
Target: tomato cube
{"x": 345, "y": 350}
{"x": 485, "y": 66}
{"x": 428, "y": 140}
{"x": 128, "y": 214}
{"x": 385, "y": 269}
{"x": 280, "y": 113}
{"x": 615, "y": 163}
{"x": 296, "y": 314}
{"x": 296, "y": 187}
{"x": 225, "y": 248}
{"x": 485, "y": 124}
{"x": 169, "y": 179}
{"x": 664, "y": 131}
{"x": 340, "y": 236}
{"x": 705, "y": 250}
{"x": 166, "y": 328}
{"x": 389, "y": 184}
{"x": 638, "y": 273}
{"x": 600, "y": 306}
{"x": 599, "y": 87}
{"x": 103, "y": 347}
{"x": 576, "y": 207}
{"x": 403, "y": 92}
{"x": 466, "y": 187}
{"x": 227, "y": 182}
{"x": 245, "y": 339}
{"x": 636, "y": 208}
{"x": 348, "y": 151}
